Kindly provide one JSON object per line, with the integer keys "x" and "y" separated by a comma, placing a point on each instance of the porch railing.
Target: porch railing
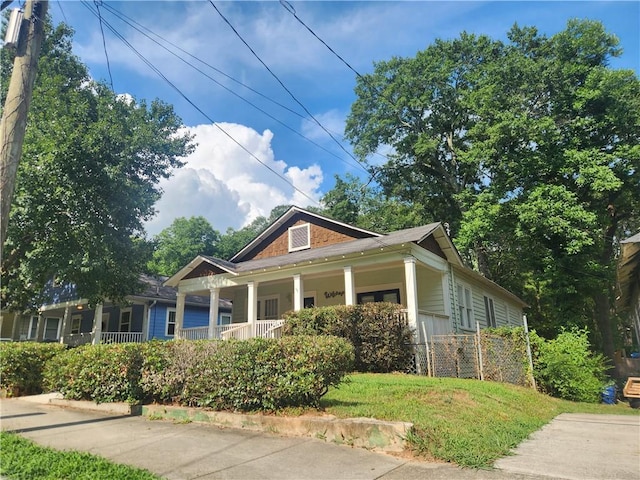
{"x": 193, "y": 333}
{"x": 121, "y": 337}
{"x": 433, "y": 324}
{"x": 269, "y": 328}
{"x": 239, "y": 331}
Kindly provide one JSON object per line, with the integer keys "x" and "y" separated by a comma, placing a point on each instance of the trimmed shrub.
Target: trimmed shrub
{"x": 566, "y": 368}
{"x": 378, "y": 331}
{"x": 267, "y": 374}
{"x": 22, "y": 364}
{"x": 102, "y": 373}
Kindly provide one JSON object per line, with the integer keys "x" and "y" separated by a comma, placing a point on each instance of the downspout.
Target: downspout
{"x": 153, "y": 304}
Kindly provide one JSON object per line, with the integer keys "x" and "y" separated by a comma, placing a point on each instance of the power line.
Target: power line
{"x": 281, "y": 83}
{"x": 142, "y": 30}
{"x": 188, "y": 100}
{"x": 104, "y": 42}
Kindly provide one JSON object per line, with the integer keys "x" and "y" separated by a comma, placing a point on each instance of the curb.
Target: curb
{"x": 366, "y": 433}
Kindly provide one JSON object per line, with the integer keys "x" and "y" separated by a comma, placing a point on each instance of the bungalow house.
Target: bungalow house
{"x": 628, "y": 303}
{"x": 305, "y": 259}
{"x": 147, "y": 315}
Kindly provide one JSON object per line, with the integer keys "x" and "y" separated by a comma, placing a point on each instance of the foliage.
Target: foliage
{"x": 22, "y": 364}
{"x": 21, "y": 458}
{"x": 469, "y": 422}
{"x": 87, "y": 181}
{"x": 256, "y": 374}
{"x": 101, "y": 373}
{"x": 178, "y": 244}
{"x": 528, "y": 148}
{"x": 378, "y": 331}
{"x": 566, "y": 368}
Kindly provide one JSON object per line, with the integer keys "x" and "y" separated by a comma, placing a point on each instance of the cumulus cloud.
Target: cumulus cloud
{"x": 228, "y": 186}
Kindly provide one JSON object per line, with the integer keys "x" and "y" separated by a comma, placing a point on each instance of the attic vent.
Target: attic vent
{"x": 299, "y": 238}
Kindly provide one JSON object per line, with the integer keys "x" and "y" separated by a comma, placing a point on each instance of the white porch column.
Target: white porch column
{"x": 40, "y": 329}
{"x": 349, "y": 287}
{"x": 180, "y": 298}
{"x": 97, "y": 325}
{"x": 298, "y": 292}
{"x": 214, "y": 304}
{"x": 65, "y": 325}
{"x": 412, "y": 293}
{"x": 252, "y": 305}
{"x": 446, "y": 294}
{"x": 15, "y": 328}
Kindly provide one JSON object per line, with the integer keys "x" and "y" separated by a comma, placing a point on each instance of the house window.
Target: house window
{"x": 33, "y": 327}
{"x": 309, "y": 302}
{"x": 490, "y": 312}
{"x": 392, "y": 296}
{"x": 225, "y": 319}
{"x": 171, "y": 322}
{"x": 299, "y": 237}
{"x": 465, "y": 306}
{"x": 125, "y": 320}
{"x": 76, "y": 321}
{"x": 51, "y": 328}
{"x": 268, "y": 308}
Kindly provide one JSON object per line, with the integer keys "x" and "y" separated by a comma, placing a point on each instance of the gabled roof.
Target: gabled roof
{"x": 286, "y": 217}
{"x": 628, "y": 269}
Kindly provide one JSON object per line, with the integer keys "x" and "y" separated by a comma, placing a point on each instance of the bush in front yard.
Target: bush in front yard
{"x": 378, "y": 331}
{"x": 22, "y": 363}
{"x": 102, "y": 373}
{"x": 267, "y": 374}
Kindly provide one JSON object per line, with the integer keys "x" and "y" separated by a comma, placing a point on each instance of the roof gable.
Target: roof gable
{"x": 323, "y": 231}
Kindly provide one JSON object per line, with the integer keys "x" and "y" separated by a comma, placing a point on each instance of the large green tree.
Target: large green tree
{"x": 529, "y": 148}
{"x": 181, "y": 242}
{"x": 87, "y": 181}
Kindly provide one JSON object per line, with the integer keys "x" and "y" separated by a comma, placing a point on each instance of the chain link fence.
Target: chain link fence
{"x": 484, "y": 356}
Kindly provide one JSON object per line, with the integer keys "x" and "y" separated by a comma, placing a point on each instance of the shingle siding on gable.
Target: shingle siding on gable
{"x": 432, "y": 245}
{"x": 203, "y": 270}
{"x": 278, "y": 244}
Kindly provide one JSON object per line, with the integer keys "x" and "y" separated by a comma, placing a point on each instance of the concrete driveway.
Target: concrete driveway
{"x": 190, "y": 451}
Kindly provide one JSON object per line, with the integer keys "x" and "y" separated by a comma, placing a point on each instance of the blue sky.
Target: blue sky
{"x": 221, "y": 181}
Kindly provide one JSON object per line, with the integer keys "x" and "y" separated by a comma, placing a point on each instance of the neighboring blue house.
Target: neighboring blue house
{"x": 151, "y": 314}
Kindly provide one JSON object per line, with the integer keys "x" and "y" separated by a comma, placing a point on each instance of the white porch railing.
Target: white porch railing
{"x": 269, "y": 328}
{"x": 76, "y": 339}
{"x": 239, "y": 331}
{"x": 121, "y": 337}
{"x": 193, "y": 333}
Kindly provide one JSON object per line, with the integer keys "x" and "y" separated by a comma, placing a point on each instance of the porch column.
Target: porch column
{"x": 446, "y": 293}
{"x": 40, "y": 329}
{"x": 214, "y": 303}
{"x": 412, "y": 293}
{"x": 65, "y": 325}
{"x": 180, "y": 298}
{"x": 96, "y": 333}
{"x": 16, "y": 327}
{"x": 349, "y": 287}
{"x": 252, "y": 305}
{"x": 298, "y": 292}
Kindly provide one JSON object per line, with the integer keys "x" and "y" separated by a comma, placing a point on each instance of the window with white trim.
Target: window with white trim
{"x": 391, "y": 295}
{"x": 171, "y": 322}
{"x": 299, "y": 237}
{"x": 28, "y": 328}
{"x": 465, "y": 305}
{"x": 125, "y": 320}
{"x": 490, "y": 312}
{"x": 225, "y": 319}
{"x": 268, "y": 308}
{"x": 76, "y": 321}
{"x": 51, "y": 328}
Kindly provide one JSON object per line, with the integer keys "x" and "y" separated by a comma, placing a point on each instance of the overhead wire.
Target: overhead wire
{"x": 104, "y": 42}
{"x": 226, "y": 20}
{"x": 188, "y": 100}
{"x": 143, "y": 31}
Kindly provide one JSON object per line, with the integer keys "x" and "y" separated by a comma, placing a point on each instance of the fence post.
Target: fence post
{"x": 426, "y": 345}
{"x": 480, "y": 362}
{"x": 529, "y": 356}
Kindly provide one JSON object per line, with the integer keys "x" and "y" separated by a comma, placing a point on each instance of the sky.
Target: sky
{"x": 257, "y": 147}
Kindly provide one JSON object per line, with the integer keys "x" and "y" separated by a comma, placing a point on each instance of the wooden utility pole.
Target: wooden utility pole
{"x": 14, "y": 115}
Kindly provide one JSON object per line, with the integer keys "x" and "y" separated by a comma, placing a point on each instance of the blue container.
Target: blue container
{"x": 608, "y": 395}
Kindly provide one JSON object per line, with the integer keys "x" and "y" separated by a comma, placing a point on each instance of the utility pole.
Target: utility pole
{"x": 14, "y": 115}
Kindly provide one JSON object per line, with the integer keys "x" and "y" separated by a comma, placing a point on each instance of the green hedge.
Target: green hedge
{"x": 256, "y": 374}
{"x": 378, "y": 331}
{"x": 22, "y": 363}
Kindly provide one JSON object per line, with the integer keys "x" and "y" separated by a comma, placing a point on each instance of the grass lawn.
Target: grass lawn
{"x": 23, "y": 459}
{"x": 468, "y": 422}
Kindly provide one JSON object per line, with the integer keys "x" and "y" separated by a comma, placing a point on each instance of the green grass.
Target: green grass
{"x": 468, "y": 422}
{"x": 23, "y": 459}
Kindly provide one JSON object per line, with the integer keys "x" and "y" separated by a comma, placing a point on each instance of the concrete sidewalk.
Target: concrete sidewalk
{"x": 190, "y": 451}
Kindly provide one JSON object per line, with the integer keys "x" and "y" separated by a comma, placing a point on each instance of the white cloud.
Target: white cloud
{"x": 227, "y": 185}
{"x": 333, "y": 120}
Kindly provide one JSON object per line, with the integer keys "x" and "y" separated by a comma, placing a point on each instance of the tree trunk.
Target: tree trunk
{"x": 602, "y": 298}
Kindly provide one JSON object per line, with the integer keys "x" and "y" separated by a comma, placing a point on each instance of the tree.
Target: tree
{"x": 541, "y": 139}
{"x": 180, "y": 243}
{"x": 86, "y": 183}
